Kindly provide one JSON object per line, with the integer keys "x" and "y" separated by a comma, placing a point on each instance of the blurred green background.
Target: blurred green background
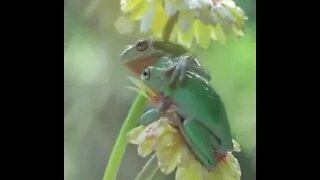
{"x": 96, "y": 100}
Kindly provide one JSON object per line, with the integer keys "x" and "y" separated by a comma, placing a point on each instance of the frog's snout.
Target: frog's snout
{"x": 125, "y": 52}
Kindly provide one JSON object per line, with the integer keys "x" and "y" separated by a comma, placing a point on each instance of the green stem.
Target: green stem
{"x": 169, "y": 27}
{"x": 149, "y": 169}
{"x": 121, "y": 142}
{"x": 130, "y": 122}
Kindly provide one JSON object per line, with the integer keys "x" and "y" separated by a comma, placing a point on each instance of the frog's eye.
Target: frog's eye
{"x": 142, "y": 45}
{"x": 145, "y": 75}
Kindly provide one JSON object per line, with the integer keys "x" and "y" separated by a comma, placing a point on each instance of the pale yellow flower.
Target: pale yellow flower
{"x": 172, "y": 152}
{"x": 199, "y": 20}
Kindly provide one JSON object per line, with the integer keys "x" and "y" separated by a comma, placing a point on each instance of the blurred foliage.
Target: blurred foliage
{"x": 97, "y": 102}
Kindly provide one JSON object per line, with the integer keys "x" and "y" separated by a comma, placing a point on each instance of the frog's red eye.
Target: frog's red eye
{"x": 142, "y": 45}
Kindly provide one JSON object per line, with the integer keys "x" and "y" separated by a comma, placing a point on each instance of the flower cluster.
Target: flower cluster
{"x": 173, "y": 153}
{"x": 201, "y": 20}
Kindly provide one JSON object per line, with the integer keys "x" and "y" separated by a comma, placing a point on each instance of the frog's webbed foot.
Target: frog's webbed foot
{"x": 201, "y": 72}
{"x": 177, "y": 71}
{"x": 195, "y": 67}
{"x": 150, "y": 116}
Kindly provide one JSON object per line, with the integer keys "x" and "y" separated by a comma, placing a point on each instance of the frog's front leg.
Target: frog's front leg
{"x": 154, "y": 114}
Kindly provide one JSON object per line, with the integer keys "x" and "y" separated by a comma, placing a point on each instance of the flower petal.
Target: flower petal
{"x": 227, "y": 170}
{"x": 146, "y": 147}
{"x": 236, "y": 146}
{"x": 216, "y": 174}
{"x": 137, "y": 12}
{"x": 148, "y": 132}
{"x": 236, "y": 31}
{"x": 185, "y": 20}
{"x": 220, "y": 35}
{"x": 202, "y": 33}
{"x": 147, "y": 19}
{"x": 208, "y": 17}
{"x": 170, "y": 8}
{"x": 167, "y": 139}
{"x": 196, "y": 4}
{"x": 185, "y": 154}
{"x": 225, "y": 14}
{"x": 190, "y": 171}
{"x": 133, "y": 135}
{"x": 213, "y": 34}
{"x": 156, "y": 128}
{"x": 168, "y": 158}
{"x": 129, "y": 5}
{"x": 239, "y": 16}
{"x": 185, "y": 38}
{"x": 234, "y": 165}
{"x": 169, "y": 127}
{"x": 160, "y": 19}
{"x": 229, "y": 3}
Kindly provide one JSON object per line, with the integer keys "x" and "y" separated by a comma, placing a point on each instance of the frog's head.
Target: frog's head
{"x": 145, "y": 52}
{"x": 155, "y": 78}
{"x": 144, "y": 48}
{"x": 141, "y": 49}
{"x": 140, "y": 55}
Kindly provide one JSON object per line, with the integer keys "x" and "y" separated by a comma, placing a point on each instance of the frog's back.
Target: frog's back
{"x": 196, "y": 98}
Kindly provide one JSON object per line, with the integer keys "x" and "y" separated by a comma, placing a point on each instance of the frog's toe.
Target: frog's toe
{"x": 174, "y": 76}
{"x": 170, "y": 70}
{"x": 182, "y": 75}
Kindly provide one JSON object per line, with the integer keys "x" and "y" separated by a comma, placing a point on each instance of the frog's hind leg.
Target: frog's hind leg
{"x": 200, "y": 142}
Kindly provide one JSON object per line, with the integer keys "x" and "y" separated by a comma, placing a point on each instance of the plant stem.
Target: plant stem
{"x": 149, "y": 169}
{"x": 121, "y": 142}
{"x": 130, "y": 122}
{"x": 169, "y": 27}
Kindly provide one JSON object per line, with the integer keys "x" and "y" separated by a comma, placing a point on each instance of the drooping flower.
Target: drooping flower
{"x": 172, "y": 152}
{"x": 202, "y": 20}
